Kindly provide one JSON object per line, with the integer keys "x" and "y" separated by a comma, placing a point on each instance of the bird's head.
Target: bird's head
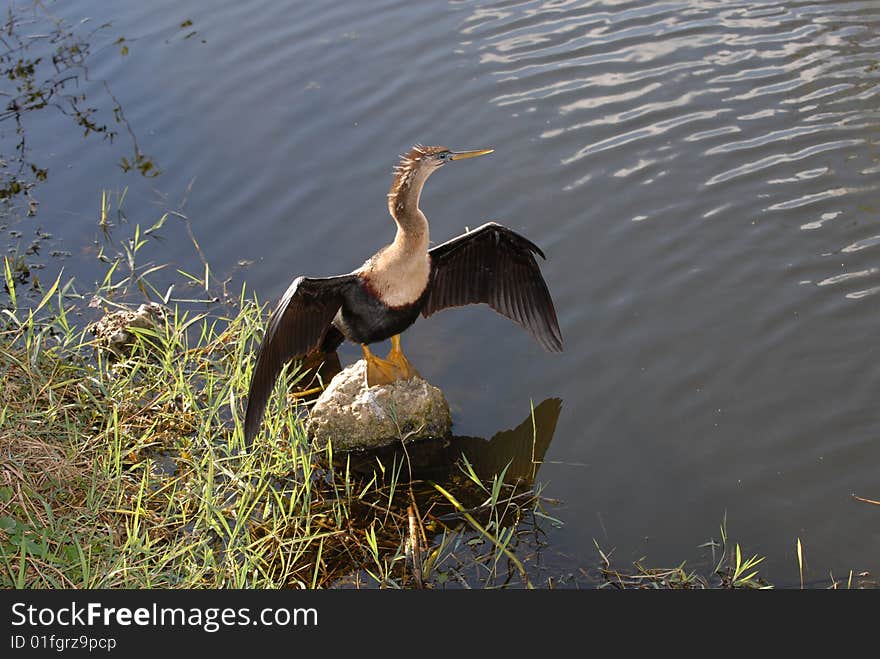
{"x": 430, "y": 158}
{"x": 417, "y": 164}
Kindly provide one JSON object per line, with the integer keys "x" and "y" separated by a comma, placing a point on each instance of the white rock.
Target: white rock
{"x": 353, "y": 416}
{"x": 112, "y": 331}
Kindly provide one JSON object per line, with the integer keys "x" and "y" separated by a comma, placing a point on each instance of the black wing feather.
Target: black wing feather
{"x": 296, "y": 327}
{"x": 496, "y": 266}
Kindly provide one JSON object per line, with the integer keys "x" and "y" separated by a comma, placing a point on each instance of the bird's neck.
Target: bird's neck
{"x": 412, "y": 233}
{"x": 399, "y": 273}
{"x": 412, "y": 225}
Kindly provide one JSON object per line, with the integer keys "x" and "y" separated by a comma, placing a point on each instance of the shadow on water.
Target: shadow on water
{"x": 472, "y": 504}
{"x": 517, "y": 453}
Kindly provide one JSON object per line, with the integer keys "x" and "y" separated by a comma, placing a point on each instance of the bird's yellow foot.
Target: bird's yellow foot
{"x": 397, "y": 358}
{"x": 385, "y": 371}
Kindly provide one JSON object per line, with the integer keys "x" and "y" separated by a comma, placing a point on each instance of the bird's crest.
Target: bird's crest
{"x": 408, "y": 162}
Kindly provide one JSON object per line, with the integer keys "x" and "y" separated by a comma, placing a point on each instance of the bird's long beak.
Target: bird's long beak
{"x": 461, "y": 155}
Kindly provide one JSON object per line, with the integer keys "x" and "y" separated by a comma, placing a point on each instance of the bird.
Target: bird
{"x": 491, "y": 264}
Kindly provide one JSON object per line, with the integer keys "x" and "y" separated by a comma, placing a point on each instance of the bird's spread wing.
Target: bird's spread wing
{"x": 497, "y": 266}
{"x": 297, "y": 327}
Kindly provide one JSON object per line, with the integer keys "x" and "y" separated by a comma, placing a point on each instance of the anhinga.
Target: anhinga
{"x": 490, "y": 264}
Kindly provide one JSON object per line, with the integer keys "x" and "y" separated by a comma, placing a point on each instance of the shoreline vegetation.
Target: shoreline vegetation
{"x": 128, "y": 470}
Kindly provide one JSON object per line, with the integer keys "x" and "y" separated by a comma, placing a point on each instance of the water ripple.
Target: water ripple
{"x": 848, "y": 276}
{"x": 859, "y": 245}
{"x": 858, "y": 295}
{"x": 776, "y": 159}
{"x": 808, "y": 199}
{"x": 783, "y": 135}
{"x": 628, "y": 73}
{"x": 653, "y": 130}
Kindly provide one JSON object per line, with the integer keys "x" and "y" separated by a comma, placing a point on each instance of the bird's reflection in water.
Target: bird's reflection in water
{"x": 455, "y": 495}
{"x": 522, "y": 448}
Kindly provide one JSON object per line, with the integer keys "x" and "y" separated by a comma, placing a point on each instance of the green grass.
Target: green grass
{"x": 131, "y": 472}
{"x": 730, "y": 570}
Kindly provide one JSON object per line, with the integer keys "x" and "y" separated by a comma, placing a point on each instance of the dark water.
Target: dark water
{"x": 702, "y": 175}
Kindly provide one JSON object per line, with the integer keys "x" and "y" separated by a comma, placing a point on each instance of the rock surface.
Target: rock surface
{"x": 113, "y": 331}
{"x": 353, "y": 416}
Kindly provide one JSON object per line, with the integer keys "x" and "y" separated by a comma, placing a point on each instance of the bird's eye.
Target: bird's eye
{"x": 443, "y": 155}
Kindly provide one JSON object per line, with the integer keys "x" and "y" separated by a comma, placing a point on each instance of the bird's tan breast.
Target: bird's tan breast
{"x": 398, "y": 278}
